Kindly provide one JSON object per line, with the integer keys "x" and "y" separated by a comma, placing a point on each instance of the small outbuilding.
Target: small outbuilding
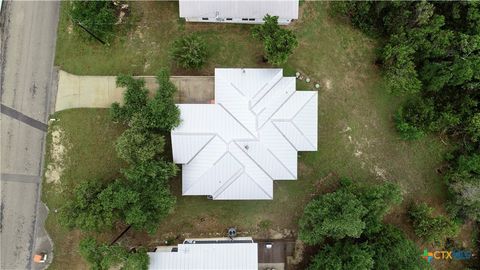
{"x": 238, "y": 11}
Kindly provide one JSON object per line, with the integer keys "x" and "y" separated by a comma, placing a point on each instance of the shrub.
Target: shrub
{"x": 190, "y": 51}
{"x": 429, "y": 227}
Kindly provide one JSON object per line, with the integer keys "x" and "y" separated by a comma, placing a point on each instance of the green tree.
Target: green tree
{"x": 336, "y": 215}
{"x": 473, "y": 128}
{"x": 141, "y": 199}
{"x": 135, "y": 99}
{"x": 190, "y": 51}
{"x": 431, "y": 228}
{"x": 343, "y": 255}
{"x": 392, "y": 250}
{"x": 101, "y": 256}
{"x": 84, "y": 210}
{"x": 464, "y": 185}
{"x": 154, "y": 201}
{"x": 279, "y": 43}
{"x": 378, "y": 200}
{"x": 97, "y": 16}
{"x": 162, "y": 114}
{"x": 400, "y": 73}
{"x": 137, "y": 145}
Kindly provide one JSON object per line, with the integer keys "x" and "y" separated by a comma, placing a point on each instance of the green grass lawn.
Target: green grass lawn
{"x": 142, "y": 46}
{"x": 356, "y": 132}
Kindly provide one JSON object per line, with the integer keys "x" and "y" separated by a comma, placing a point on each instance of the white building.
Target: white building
{"x": 235, "y": 148}
{"x": 208, "y": 254}
{"x": 238, "y": 11}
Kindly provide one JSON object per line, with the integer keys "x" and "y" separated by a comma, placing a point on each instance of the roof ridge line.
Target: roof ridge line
{"x": 303, "y": 106}
{"x": 255, "y": 182}
{"x": 238, "y": 89}
{"x": 283, "y": 135}
{"x": 254, "y": 161}
{"x": 261, "y": 98}
{"x": 241, "y": 124}
{"x": 305, "y": 136}
{"x": 283, "y": 165}
{"x": 229, "y": 182}
{"x": 216, "y": 161}
{"x": 201, "y": 149}
{"x": 281, "y": 105}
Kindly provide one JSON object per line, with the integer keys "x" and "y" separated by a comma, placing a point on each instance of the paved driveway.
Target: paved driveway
{"x": 101, "y": 91}
{"x": 28, "y": 33}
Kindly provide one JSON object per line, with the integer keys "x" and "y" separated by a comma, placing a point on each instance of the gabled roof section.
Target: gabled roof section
{"x": 235, "y": 148}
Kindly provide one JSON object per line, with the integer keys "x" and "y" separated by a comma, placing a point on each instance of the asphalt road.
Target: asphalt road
{"x": 28, "y": 34}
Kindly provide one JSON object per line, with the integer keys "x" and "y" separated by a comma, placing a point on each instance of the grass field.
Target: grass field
{"x": 356, "y": 133}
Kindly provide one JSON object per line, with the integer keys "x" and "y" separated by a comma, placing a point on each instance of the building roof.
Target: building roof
{"x": 238, "y": 8}
{"x": 235, "y": 148}
{"x": 224, "y": 256}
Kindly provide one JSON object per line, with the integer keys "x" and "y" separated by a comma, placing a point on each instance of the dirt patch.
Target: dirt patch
{"x": 327, "y": 83}
{"x": 70, "y": 28}
{"x": 57, "y": 154}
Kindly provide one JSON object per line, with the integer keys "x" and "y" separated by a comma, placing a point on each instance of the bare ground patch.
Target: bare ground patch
{"x": 58, "y": 151}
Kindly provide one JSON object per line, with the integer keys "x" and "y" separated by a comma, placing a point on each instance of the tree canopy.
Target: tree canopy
{"x": 431, "y": 228}
{"x": 139, "y": 111}
{"x": 373, "y": 245}
{"x": 343, "y": 255}
{"x": 348, "y": 212}
{"x": 430, "y": 52}
{"x": 464, "y": 186}
{"x": 141, "y": 197}
{"x": 278, "y": 42}
{"x": 104, "y": 257}
{"x": 97, "y": 16}
{"x": 337, "y": 215}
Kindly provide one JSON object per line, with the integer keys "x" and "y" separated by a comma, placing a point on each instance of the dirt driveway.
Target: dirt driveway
{"x": 101, "y": 91}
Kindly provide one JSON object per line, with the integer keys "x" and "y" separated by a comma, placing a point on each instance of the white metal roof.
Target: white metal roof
{"x": 224, "y": 256}
{"x": 286, "y": 9}
{"x": 235, "y": 148}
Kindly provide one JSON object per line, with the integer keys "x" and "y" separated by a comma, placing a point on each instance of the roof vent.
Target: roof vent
{"x": 232, "y": 232}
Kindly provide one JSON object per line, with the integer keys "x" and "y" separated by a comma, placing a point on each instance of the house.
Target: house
{"x": 238, "y": 11}
{"x": 249, "y": 136}
{"x": 219, "y": 253}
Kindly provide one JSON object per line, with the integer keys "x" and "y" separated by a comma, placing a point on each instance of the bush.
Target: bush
{"x": 190, "y": 51}
{"x": 430, "y": 228}
{"x": 97, "y": 16}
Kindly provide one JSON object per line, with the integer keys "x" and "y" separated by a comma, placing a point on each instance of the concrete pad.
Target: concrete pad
{"x": 101, "y": 91}
{"x": 268, "y": 266}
